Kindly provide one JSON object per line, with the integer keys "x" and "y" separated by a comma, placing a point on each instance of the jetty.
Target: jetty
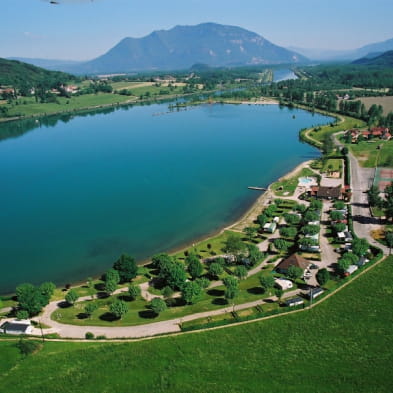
{"x": 257, "y": 188}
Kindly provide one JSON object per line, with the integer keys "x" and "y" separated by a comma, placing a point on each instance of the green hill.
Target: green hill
{"x": 22, "y": 75}
{"x": 342, "y": 345}
{"x": 384, "y": 60}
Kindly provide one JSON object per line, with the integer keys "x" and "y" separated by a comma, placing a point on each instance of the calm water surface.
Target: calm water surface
{"x": 76, "y": 194}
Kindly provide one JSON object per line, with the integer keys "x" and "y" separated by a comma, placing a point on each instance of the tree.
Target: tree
{"x": 126, "y": 267}
{"x": 310, "y": 229}
{"x": 134, "y": 291}
{"x": 22, "y": 314}
{"x": 336, "y": 215}
{"x": 316, "y": 204}
{"x": 118, "y": 308}
{"x": 231, "y": 284}
{"x": 215, "y": 269}
{"x": 158, "y": 305}
{"x": 30, "y": 298}
{"x": 278, "y": 292}
{"x": 343, "y": 265}
{"x": 90, "y": 308}
{"x": 288, "y": 232}
{"x": 191, "y": 292}
{"x": 291, "y": 219}
{"x": 194, "y": 266}
{"x": 339, "y": 227}
{"x": 262, "y": 220}
{"x": 175, "y": 275}
{"x": 234, "y": 245}
{"x": 254, "y": 254}
{"x": 281, "y": 244}
{"x": 250, "y": 232}
{"x": 203, "y": 282}
{"x": 323, "y": 276}
{"x": 167, "y": 292}
{"x": 72, "y": 296}
{"x": 47, "y": 289}
{"x": 110, "y": 286}
{"x": 360, "y": 247}
{"x": 294, "y": 272}
{"x": 112, "y": 275}
{"x": 241, "y": 272}
{"x": 159, "y": 261}
{"x": 267, "y": 282}
{"x": 339, "y": 205}
{"x": 299, "y": 207}
{"x": 306, "y": 242}
{"x": 327, "y": 144}
{"x": 310, "y": 216}
{"x": 389, "y": 241}
{"x": 373, "y": 196}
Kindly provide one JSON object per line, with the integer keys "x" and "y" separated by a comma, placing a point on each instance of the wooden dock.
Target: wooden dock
{"x": 257, "y": 188}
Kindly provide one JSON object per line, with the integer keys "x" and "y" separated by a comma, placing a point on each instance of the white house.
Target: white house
{"x": 270, "y": 227}
{"x": 16, "y": 327}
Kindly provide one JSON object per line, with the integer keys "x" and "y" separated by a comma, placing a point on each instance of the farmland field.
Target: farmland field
{"x": 386, "y": 102}
{"x": 342, "y": 345}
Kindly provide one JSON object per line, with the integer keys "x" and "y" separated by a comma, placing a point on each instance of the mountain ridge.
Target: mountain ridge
{"x": 183, "y": 46}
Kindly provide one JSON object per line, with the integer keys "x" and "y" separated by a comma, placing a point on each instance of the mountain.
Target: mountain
{"x": 385, "y": 59}
{"x": 345, "y": 55}
{"x": 183, "y": 46}
{"x": 49, "y": 64}
{"x": 15, "y": 73}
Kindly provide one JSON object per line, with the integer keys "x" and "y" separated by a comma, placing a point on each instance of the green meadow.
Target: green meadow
{"x": 342, "y": 345}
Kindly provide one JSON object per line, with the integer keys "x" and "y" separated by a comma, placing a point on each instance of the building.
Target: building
{"x": 284, "y": 284}
{"x": 270, "y": 227}
{"x": 297, "y": 301}
{"x": 16, "y": 327}
{"x": 326, "y": 192}
{"x": 315, "y": 292}
{"x": 293, "y": 260}
{"x": 351, "y": 269}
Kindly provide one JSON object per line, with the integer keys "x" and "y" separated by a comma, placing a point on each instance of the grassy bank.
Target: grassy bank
{"x": 343, "y": 345}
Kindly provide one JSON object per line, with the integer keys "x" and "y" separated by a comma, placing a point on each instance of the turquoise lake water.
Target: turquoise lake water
{"x": 77, "y": 193}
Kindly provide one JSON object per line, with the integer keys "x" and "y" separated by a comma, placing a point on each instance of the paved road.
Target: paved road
{"x": 151, "y": 329}
{"x": 361, "y": 182}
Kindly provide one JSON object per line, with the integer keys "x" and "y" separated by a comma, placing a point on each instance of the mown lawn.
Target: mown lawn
{"x": 343, "y": 345}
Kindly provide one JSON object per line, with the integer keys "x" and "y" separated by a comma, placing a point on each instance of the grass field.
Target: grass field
{"x": 28, "y": 106}
{"x": 287, "y": 187}
{"x": 386, "y": 102}
{"x": 370, "y": 156}
{"x": 318, "y": 133}
{"x": 343, "y": 345}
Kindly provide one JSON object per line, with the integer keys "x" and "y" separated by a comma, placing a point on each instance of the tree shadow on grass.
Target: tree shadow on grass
{"x": 82, "y": 315}
{"x": 220, "y": 301}
{"x": 216, "y": 292}
{"x": 256, "y": 291}
{"x": 126, "y": 298}
{"x": 109, "y": 317}
{"x": 63, "y": 304}
{"x": 99, "y": 286}
{"x": 147, "y": 314}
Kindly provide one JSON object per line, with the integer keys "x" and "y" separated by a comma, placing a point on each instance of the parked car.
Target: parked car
{"x": 313, "y": 266}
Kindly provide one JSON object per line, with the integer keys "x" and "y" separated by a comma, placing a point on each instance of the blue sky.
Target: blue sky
{"x": 84, "y": 29}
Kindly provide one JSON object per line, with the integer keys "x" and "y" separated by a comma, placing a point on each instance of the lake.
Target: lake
{"x": 77, "y": 192}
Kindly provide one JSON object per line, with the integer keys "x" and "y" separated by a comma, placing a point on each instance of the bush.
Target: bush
{"x": 89, "y": 336}
{"x": 27, "y": 347}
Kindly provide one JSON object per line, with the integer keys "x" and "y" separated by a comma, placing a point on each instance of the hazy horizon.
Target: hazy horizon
{"x": 50, "y": 31}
